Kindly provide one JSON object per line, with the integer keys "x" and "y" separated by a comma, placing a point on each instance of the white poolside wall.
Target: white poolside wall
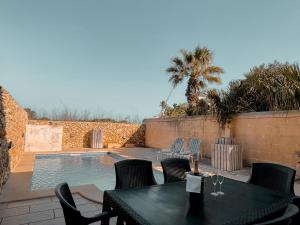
{"x": 43, "y": 138}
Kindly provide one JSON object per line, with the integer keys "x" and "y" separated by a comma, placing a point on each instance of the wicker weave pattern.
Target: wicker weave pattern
{"x": 174, "y": 169}
{"x": 134, "y": 173}
{"x": 273, "y": 176}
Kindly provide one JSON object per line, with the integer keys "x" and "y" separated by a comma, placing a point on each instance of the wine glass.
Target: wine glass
{"x": 214, "y": 179}
{"x": 220, "y": 179}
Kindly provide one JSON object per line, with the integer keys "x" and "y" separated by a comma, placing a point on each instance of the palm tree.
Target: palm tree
{"x": 197, "y": 67}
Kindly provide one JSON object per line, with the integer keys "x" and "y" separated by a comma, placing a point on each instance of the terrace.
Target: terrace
{"x": 75, "y": 151}
{"x": 20, "y": 205}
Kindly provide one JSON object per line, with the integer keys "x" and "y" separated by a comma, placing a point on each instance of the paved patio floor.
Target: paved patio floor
{"x": 43, "y": 208}
{"x": 44, "y": 211}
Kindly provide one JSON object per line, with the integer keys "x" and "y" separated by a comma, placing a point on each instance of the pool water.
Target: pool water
{"x": 77, "y": 169}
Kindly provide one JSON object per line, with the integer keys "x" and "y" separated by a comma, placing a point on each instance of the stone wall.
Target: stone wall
{"x": 264, "y": 136}
{"x": 268, "y": 136}
{"x": 13, "y": 120}
{"x": 160, "y": 133}
{"x": 76, "y": 134}
{"x": 45, "y": 138}
{"x": 4, "y": 162}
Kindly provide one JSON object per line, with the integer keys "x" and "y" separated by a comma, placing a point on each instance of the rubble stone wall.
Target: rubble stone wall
{"x": 13, "y": 120}
{"x": 77, "y": 134}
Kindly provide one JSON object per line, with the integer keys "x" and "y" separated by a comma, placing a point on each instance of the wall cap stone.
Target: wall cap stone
{"x": 265, "y": 114}
{"x": 270, "y": 114}
{"x": 180, "y": 118}
{"x": 77, "y": 121}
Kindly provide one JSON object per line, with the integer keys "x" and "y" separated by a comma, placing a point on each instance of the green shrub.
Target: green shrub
{"x": 271, "y": 87}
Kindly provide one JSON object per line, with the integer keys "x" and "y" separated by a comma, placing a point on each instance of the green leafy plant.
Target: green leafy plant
{"x": 271, "y": 87}
{"x": 201, "y": 108}
{"x": 173, "y": 111}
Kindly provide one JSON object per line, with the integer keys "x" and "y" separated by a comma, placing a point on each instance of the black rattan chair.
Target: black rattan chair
{"x": 174, "y": 169}
{"x": 273, "y": 176}
{"x": 134, "y": 173}
{"x": 71, "y": 213}
{"x": 285, "y": 219}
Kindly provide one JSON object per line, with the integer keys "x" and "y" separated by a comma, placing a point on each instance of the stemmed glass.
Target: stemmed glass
{"x": 220, "y": 179}
{"x": 214, "y": 178}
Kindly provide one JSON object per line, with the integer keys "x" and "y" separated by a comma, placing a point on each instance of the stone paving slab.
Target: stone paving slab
{"x": 6, "y": 212}
{"x": 3, "y": 205}
{"x": 56, "y": 221}
{"x": 29, "y": 202}
{"x": 28, "y": 218}
{"x": 86, "y": 208}
{"x": 44, "y": 211}
{"x": 44, "y": 207}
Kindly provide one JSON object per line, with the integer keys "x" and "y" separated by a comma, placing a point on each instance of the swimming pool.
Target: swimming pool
{"x": 77, "y": 169}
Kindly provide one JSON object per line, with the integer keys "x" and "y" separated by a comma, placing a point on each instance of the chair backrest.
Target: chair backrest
{"x": 174, "y": 169}
{"x": 133, "y": 173}
{"x": 194, "y": 146}
{"x": 273, "y": 176}
{"x": 177, "y": 145}
{"x": 71, "y": 213}
{"x": 285, "y": 219}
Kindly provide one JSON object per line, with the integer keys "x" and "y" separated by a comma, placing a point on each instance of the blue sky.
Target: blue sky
{"x": 111, "y": 56}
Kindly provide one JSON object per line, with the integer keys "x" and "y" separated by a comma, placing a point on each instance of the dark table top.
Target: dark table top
{"x": 169, "y": 204}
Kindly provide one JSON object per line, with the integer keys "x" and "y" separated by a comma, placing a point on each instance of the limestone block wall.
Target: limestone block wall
{"x": 76, "y": 134}
{"x": 263, "y": 136}
{"x": 160, "y": 133}
{"x": 4, "y": 162}
{"x": 13, "y": 120}
{"x": 268, "y": 136}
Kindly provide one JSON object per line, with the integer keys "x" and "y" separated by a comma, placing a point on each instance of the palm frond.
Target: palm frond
{"x": 177, "y": 61}
{"x": 176, "y": 79}
{"x": 187, "y": 56}
{"x": 213, "y": 79}
{"x": 172, "y": 69}
{"x": 203, "y": 55}
{"x": 292, "y": 72}
{"x": 213, "y": 70}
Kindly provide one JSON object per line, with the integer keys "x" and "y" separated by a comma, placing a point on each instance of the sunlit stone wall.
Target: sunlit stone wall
{"x": 161, "y": 132}
{"x": 13, "y": 120}
{"x": 77, "y": 134}
{"x": 263, "y": 136}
